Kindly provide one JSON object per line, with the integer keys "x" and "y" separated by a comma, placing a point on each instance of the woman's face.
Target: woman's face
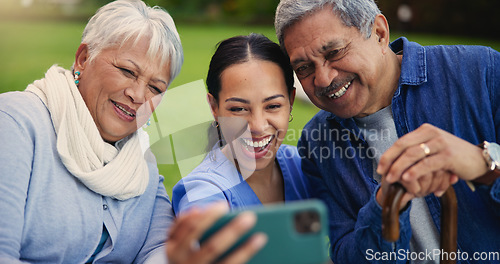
{"x": 253, "y": 111}
{"x": 121, "y": 87}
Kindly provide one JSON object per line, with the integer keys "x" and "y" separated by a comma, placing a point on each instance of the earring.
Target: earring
{"x": 148, "y": 123}
{"x": 291, "y": 118}
{"x": 215, "y": 124}
{"x": 77, "y": 77}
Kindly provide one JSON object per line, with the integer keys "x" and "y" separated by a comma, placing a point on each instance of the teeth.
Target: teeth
{"x": 340, "y": 92}
{"x": 257, "y": 144}
{"x": 123, "y": 109}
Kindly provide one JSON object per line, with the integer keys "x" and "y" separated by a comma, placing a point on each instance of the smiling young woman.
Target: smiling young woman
{"x": 251, "y": 92}
{"x": 250, "y": 84}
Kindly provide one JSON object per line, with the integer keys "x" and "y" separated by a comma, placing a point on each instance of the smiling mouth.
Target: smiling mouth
{"x": 256, "y": 146}
{"x": 340, "y": 92}
{"x": 125, "y": 111}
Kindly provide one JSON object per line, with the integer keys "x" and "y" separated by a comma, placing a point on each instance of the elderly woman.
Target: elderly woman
{"x": 75, "y": 184}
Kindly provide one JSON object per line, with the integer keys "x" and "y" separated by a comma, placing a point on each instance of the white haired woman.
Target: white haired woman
{"x": 75, "y": 184}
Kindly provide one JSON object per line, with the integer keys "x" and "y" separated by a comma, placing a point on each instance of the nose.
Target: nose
{"x": 137, "y": 92}
{"x": 258, "y": 123}
{"x": 324, "y": 75}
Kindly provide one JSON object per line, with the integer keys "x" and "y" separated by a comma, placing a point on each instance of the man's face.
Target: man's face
{"x": 340, "y": 70}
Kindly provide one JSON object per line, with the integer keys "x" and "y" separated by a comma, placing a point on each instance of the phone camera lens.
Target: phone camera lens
{"x": 307, "y": 222}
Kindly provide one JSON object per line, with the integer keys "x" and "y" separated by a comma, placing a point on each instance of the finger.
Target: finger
{"x": 422, "y": 134}
{"x": 404, "y": 165}
{"x": 182, "y": 225}
{"x": 430, "y": 164}
{"x": 445, "y": 183}
{"x": 220, "y": 242}
{"x": 425, "y": 183}
{"x": 245, "y": 252}
{"x": 412, "y": 187}
{"x": 439, "y": 178}
{"x": 192, "y": 224}
{"x": 407, "y": 197}
{"x": 176, "y": 250}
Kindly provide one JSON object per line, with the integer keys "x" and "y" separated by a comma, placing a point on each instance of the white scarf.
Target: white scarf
{"x": 120, "y": 174}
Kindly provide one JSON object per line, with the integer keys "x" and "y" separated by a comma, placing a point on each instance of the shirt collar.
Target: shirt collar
{"x": 413, "y": 67}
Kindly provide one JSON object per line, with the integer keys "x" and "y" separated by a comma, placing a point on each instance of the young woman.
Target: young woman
{"x": 250, "y": 85}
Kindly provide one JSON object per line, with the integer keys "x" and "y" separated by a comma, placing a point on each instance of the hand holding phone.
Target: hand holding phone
{"x": 183, "y": 247}
{"x": 296, "y": 231}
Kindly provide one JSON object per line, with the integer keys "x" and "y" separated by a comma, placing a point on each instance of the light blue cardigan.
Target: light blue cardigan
{"x": 48, "y": 216}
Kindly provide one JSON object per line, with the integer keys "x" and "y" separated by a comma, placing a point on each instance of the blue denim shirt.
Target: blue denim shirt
{"x": 455, "y": 88}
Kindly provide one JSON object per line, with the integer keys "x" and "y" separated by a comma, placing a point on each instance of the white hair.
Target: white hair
{"x": 123, "y": 20}
{"x": 353, "y": 13}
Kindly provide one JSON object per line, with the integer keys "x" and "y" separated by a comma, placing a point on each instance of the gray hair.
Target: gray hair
{"x": 353, "y": 13}
{"x": 123, "y": 20}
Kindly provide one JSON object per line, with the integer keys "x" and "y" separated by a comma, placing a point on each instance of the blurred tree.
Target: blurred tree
{"x": 250, "y": 11}
{"x": 49, "y": 9}
{"x": 462, "y": 17}
{"x": 458, "y": 17}
{"x": 239, "y": 11}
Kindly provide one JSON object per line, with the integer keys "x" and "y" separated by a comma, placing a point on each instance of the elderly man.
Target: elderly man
{"x": 395, "y": 112}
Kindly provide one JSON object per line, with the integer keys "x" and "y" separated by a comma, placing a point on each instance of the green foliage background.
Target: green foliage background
{"x": 28, "y": 49}
{"x": 36, "y": 37}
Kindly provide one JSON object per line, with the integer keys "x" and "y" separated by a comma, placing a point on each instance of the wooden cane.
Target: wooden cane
{"x": 390, "y": 220}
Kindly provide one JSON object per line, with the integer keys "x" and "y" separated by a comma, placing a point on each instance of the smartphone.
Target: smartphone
{"x": 297, "y": 232}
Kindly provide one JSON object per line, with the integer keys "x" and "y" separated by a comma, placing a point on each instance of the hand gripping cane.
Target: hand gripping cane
{"x": 390, "y": 219}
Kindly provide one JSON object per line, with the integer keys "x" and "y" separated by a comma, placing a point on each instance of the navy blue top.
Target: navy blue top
{"x": 455, "y": 88}
{"x": 217, "y": 179}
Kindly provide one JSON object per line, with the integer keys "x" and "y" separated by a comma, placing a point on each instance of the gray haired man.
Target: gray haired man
{"x": 394, "y": 112}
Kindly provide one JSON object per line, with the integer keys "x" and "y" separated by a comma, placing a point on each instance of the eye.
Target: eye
{"x": 336, "y": 54}
{"x": 304, "y": 70}
{"x": 236, "y": 109}
{"x": 273, "y": 106}
{"x": 332, "y": 54}
{"x": 155, "y": 89}
{"x": 127, "y": 72}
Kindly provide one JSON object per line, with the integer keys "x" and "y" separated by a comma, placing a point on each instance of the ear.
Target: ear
{"x": 214, "y": 107}
{"x": 380, "y": 32}
{"x": 292, "y": 97}
{"x": 81, "y": 57}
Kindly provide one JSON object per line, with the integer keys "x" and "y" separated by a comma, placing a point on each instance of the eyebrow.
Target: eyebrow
{"x": 140, "y": 70}
{"x": 324, "y": 48}
{"x": 236, "y": 99}
{"x": 297, "y": 61}
{"x": 330, "y": 45}
{"x": 241, "y": 100}
{"x": 273, "y": 97}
